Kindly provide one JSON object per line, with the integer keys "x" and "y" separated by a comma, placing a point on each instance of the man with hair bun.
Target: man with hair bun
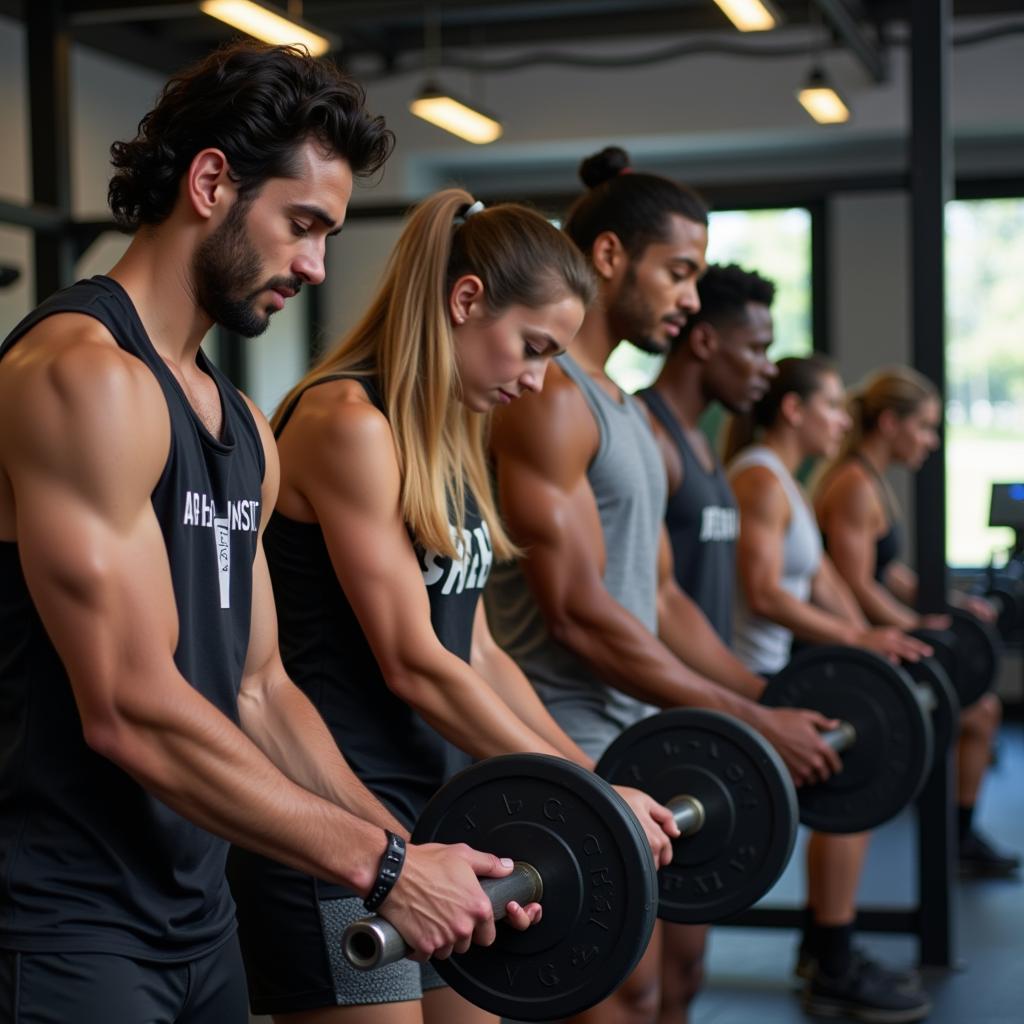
{"x": 592, "y": 613}
{"x": 147, "y": 719}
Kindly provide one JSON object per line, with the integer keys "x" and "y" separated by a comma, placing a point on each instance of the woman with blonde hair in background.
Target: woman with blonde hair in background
{"x": 895, "y": 414}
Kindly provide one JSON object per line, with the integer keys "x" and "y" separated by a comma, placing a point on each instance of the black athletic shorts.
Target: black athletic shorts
{"x": 103, "y": 988}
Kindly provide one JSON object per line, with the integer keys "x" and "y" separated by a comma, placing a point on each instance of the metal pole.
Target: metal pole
{"x": 50, "y": 133}
{"x": 931, "y": 176}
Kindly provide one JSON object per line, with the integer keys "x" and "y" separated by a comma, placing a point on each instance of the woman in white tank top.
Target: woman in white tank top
{"x": 786, "y": 587}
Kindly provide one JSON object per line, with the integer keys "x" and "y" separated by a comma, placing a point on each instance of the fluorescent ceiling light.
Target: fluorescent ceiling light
{"x": 821, "y": 101}
{"x": 749, "y": 15}
{"x": 445, "y": 111}
{"x": 265, "y": 24}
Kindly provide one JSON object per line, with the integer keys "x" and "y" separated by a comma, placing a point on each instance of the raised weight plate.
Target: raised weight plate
{"x": 946, "y": 713}
{"x": 977, "y": 656}
{"x": 600, "y": 887}
{"x": 887, "y": 765}
{"x": 748, "y": 799}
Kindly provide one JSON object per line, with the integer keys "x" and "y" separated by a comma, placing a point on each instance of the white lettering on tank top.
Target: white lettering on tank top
{"x": 470, "y": 569}
{"x": 719, "y": 524}
{"x": 242, "y": 517}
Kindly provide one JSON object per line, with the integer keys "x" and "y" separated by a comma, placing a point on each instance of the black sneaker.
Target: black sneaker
{"x": 907, "y": 978}
{"x": 978, "y": 859}
{"x": 867, "y": 992}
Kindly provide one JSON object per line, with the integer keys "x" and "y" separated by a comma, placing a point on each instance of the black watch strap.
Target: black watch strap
{"x": 387, "y": 874}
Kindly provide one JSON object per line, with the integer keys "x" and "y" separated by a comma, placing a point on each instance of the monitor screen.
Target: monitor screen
{"x": 1007, "y": 508}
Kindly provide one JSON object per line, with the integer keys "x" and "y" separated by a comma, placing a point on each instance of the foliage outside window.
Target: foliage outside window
{"x": 984, "y": 370}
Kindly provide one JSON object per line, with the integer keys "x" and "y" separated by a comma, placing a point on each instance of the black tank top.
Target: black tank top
{"x": 703, "y": 523}
{"x": 889, "y": 545}
{"x": 389, "y": 746}
{"x": 88, "y": 859}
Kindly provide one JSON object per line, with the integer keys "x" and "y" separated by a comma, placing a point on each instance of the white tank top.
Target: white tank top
{"x": 762, "y": 645}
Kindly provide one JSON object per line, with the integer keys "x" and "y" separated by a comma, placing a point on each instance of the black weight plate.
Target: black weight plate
{"x": 600, "y": 887}
{"x": 1005, "y": 595}
{"x": 749, "y": 804}
{"x": 977, "y": 654}
{"x": 943, "y": 644}
{"x": 946, "y": 713}
{"x": 889, "y": 762}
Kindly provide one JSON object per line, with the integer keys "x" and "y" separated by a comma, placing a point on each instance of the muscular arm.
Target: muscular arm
{"x": 685, "y": 630}
{"x": 849, "y": 515}
{"x": 764, "y": 517}
{"x": 542, "y": 446}
{"x": 829, "y": 591}
{"x": 274, "y": 713}
{"x": 348, "y": 473}
{"x": 96, "y": 565}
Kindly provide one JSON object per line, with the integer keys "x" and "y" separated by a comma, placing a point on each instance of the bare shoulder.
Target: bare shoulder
{"x": 339, "y": 416}
{"x": 848, "y": 491}
{"x": 71, "y": 398}
{"x": 760, "y": 493}
{"x": 339, "y": 445}
{"x": 551, "y": 430}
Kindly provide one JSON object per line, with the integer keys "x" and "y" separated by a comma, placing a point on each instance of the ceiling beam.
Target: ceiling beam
{"x": 837, "y": 14}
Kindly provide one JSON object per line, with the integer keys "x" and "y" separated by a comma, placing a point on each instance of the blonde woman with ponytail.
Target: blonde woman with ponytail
{"x": 896, "y": 413}
{"x": 383, "y": 537}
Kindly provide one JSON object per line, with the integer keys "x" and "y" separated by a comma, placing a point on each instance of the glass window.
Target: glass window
{"x": 984, "y": 370}
{"x": 776, "y": 244}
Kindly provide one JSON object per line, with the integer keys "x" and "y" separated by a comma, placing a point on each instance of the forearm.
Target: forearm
{"x": 831, "y": 594}
{"x": 902, "y": 582}
{"x": 626, "y": 655}
{"x": 184, "y": 751}
{"x": 279, "y": 718}
{"x": 805, "y": 621}
{"x": 449, "y": 695}
{"x": 883, "y": 608}
{"x": 686, "y": 632}
{"x": 508, "y": 681}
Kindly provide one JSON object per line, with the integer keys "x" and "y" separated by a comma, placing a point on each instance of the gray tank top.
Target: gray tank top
{"x": 764, "y": 646}
{"x": 627, "y": 477}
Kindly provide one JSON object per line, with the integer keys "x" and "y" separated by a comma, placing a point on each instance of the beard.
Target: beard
{"x": 633, "y": 319}
{"x": 226, "y": 270}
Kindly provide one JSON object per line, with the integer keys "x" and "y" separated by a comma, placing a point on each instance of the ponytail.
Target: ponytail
{"x": 405, "y": 341}
{"x": 896, "y": 389}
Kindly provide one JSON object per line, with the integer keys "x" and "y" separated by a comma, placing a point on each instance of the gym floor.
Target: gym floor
{"x": 749, "y": 969}
{"x": 749, "y": 975}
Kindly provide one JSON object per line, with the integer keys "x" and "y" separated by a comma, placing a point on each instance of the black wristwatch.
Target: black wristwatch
{"x": 387, "y": 874}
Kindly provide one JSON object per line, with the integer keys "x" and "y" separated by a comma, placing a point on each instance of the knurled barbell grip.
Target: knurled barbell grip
{"x": 373, "y": 942}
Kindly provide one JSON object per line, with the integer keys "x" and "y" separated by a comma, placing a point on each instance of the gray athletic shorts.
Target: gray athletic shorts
{"x": 395, "y": 983}
{"x": 593, "y": 726}
{"x": 290, "y": 934}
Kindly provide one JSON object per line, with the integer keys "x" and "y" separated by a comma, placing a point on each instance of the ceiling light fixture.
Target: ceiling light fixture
{"x": 265, "y": 24}
{"x": 821, "y": 100}
{"x": 750, "y": 15}
{"x": 441, "y": 108}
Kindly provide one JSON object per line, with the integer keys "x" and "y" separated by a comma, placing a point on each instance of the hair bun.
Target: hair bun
{"x": 603, "y": 166}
